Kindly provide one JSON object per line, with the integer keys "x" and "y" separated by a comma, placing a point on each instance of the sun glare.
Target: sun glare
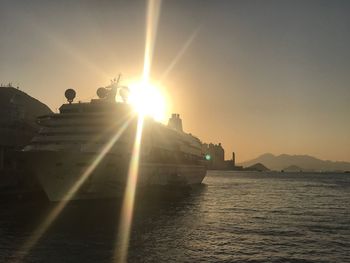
{"x": 148, "y": 100}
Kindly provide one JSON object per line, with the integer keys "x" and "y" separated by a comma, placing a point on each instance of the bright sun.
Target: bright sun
{"x": 147, "y": 100}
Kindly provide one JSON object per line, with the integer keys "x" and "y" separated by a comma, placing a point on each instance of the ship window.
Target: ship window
{"x": 70, "y": 111}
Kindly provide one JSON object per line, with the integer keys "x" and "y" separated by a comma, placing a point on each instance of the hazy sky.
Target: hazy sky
{"x": 257, "y": 76}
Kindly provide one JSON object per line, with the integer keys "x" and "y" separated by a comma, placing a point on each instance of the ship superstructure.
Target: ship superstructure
{"x": 69, "y": 143}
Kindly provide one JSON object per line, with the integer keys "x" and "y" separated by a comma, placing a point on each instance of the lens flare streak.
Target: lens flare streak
{"x": 152, "y": 17}
{"x": 121, "y": 251}
{"x": 129, "y": 197}
{"x": 179, "y": 55}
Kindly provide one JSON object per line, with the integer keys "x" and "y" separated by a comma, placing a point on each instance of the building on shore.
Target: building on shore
{"x": 18, "y": 113}
{"x": 215, "y": 154}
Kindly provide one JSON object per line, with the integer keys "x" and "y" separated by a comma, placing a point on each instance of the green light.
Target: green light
{"x": 207, "y": 157}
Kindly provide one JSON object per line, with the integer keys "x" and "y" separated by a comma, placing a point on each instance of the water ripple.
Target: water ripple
{"x": 234, "y": 217}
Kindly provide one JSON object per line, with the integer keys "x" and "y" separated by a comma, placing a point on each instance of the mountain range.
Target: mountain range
{"x": 302, "y": 162}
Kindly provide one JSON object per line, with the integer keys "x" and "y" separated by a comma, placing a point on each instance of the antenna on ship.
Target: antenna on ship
{"x": 113, "y": 89}
{"x": 116, "y": 82}
{"x": 110, "y": 92}
{"x": 123, "y": 91}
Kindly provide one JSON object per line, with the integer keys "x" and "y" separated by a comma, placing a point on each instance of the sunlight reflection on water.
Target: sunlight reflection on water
{"x": 233, "y": 217}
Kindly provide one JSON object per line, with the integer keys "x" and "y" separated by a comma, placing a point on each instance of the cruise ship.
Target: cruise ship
{"x": 87, "y": 148}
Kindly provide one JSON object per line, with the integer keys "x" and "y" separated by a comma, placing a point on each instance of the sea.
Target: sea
{"x": 231, "y": 217}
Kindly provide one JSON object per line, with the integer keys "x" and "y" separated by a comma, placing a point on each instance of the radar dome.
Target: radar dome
{"x": 70, "y": 95}
{"x": 102, "y": 93}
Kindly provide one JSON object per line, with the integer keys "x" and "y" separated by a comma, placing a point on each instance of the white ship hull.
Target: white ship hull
{"x": 66, "y": 176}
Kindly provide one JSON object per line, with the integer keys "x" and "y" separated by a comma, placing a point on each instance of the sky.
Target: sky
{"x": 256, "y": 76}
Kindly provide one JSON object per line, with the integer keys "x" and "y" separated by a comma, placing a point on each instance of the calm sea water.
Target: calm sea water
{"x": 233, "y": 217}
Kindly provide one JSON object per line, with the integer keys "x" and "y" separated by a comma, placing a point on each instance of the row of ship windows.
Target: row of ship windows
{"x": 89, "y": 110}
{"x": 74, "y": 133}
{"x": 96, "y": 143}
{"x": 189, "y": 157}
{"x": 82, "y": 164}
{"x": 77, "y": 142}
{"x": 107, "y": 132}
{"x": 81, "y": 115}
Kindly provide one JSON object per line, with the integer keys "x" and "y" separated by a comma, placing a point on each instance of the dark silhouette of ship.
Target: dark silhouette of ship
{"x": 69, "y": 143}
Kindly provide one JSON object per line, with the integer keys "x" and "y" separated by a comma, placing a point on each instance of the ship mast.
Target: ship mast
{"x": 109, "y": 92}
{"x": 114, "y": 88}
